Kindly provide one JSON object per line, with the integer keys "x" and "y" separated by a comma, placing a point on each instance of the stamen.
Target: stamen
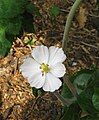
{"x": 44, "y": 68}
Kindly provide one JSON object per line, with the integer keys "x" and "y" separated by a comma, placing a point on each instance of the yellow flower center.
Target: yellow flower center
{"x": 44, "y": 68}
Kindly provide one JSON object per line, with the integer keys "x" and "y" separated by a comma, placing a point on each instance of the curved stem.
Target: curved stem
{"x": 68, "y": 23}
{"x": 65, "y": 40}
{"x": 65, "y": 102}
{"x": 70, "y": 85}
{"x": 71, "y": 14}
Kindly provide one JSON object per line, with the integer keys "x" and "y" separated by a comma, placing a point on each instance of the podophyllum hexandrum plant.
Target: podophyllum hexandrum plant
{"x": 79, "y": 92}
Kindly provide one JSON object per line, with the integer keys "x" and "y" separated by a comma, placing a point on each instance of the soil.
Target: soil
{"x": 16, "y": 99}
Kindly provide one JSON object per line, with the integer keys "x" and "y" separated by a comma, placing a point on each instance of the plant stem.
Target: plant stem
{"x": 65, "y": 102}
{"x": 68, "y": 23}
{"x": 65, "y": 40}
{"x": 70, "y": 85}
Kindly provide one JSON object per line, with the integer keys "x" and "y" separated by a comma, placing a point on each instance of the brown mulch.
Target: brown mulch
{"x": 16, "y": 99}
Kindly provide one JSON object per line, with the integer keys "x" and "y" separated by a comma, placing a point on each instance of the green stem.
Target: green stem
{"x": 65, "y": 102}
{"x": 68, "y": 23}
{"x": 71, "y": 14}
{"x": 70, "y": 85}
{"x": 65, "y": 40}
{"x": 2, "y": 34}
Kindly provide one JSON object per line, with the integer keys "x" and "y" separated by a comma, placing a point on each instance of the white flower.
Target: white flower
{"x": 45, "y": 68}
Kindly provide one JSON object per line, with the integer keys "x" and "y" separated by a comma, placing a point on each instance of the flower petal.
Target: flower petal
{"x": 52, "y": 83}
{"x": 30, "y": 67}
{"x": 41, "y": 54}
{"x": 58, "y": 70}
{"x": 37, "y": 80}
{"x": 56, "y": 55}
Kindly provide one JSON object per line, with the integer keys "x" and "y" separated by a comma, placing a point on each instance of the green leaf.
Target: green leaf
{"x": 32, "y": 9}
{"x": 85, "y": 78}
{"x": 85, "y": 101}
{"x": 90, "y": 118}
{"x": 54, "y": 11}
{"x": 5, "y": 45}
{"x": 28, "y": 25}
{"x": 94, "y": 82}
{"x": 12, "y": 8}
{"x": 81, "y": 79}
{"x": 36, "y": 92}
{"x": 13, "y": 26}
{"x": 26, "y": 39}
{"x": 2, "y": 33}
{"x": 31, "y": 42}
{"x": 95, "y": 98}
{"x": 72, "y": 113}
{"x": 66, "y": 92}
